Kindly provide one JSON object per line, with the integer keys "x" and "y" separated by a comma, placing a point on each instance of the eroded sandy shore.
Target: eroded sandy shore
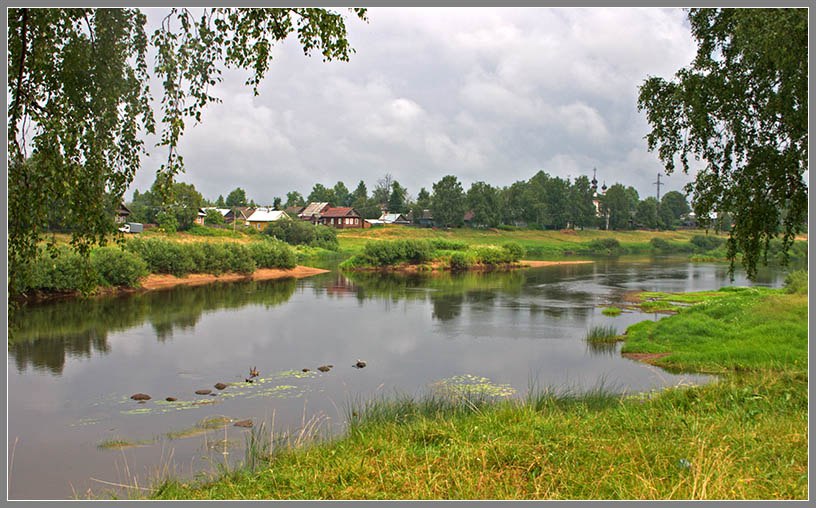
{"x": 157, "y": 281}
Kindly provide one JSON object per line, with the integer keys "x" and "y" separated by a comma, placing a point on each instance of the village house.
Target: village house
{"x": 262, "y": 217}
{"x": 122, "y": 214}
{"x": 202, "y": 213}
{"x": 239, "y": 214}
{"x": 313, "y": 211}
{"x": 341, "y": 218}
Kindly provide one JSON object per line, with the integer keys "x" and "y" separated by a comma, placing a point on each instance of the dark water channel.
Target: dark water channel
{"x": 73, "y": 365}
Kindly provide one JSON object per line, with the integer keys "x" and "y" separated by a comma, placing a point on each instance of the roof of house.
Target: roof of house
{"x": 294, "y": 210}
{"x": 123, "y": 210}
{"x": 222, "y": 211}
{"x": 246, "y": 211}
{"x": 340, "y": 211}
{"x": 267, "y": 215}
{"x": 314, "y": 209}
{"x": 393, "y": 217}
{"x": 469, "y": 215}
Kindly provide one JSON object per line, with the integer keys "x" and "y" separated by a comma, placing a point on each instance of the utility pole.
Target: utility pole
{"x": 658, "y": 187}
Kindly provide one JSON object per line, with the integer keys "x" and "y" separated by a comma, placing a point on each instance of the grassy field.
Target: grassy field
{"x": 538, "y": 244}
{"x": 742, "y": 437}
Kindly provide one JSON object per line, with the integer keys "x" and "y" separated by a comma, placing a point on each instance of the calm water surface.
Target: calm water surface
{"x": 73, "y": 365}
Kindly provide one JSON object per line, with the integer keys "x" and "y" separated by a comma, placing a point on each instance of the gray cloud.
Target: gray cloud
{"x": 482, "y": 93}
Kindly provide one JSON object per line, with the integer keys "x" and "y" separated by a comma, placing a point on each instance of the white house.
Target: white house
{"x": 261, "y": 217}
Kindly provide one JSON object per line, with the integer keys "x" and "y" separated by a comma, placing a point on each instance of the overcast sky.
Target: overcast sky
{"x": 491, "y": 94}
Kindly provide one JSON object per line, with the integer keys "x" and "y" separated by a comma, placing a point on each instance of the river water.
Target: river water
{"x": 73, "y": 365}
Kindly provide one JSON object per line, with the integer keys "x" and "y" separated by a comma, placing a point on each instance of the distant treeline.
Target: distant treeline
{"x": 542, "y": 202}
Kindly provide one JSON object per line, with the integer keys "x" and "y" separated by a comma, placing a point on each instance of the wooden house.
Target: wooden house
{"x": 341, "y": 218}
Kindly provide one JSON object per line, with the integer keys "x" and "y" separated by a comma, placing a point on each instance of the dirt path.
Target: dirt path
{"x": 156, "y": 281}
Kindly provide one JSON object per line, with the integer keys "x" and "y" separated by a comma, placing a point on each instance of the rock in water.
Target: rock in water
{"x": 171, "y": 399}
{"x": 324, "y": 368}
{"x": 243, "y": 423}
{"x": 305, "y": 370}
{"x": 203, "y": 392}
{"x": 360, "y": 364}
{"x": 220, "y": 386}
{"x": 140, "y": 396}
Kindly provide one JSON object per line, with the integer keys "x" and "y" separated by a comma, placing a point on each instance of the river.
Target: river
{"x": 73, "y": 365}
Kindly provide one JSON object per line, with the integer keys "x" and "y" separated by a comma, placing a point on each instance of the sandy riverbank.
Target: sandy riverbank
{"x": 157, "y": 281}
{"x": 537, "y": 264}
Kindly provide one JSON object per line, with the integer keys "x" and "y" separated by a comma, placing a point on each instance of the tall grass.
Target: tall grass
{"x": 602, "y": 335}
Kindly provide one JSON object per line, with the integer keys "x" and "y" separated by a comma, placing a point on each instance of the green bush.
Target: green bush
{"x": 797, "y": 282}
{"x": 116, "y": 267}
{"x": 660, "y": 244}
{"x": 445, "y": 244}
{"x": 165, "y": 257}
{"x": 272, "y": 254}
{"x": 325, "y": 237}
{"x": 382, "y": 253}
{"x": 299, "y": 232}
{"x": 62, "y": 269}
{"x": 705, "y": 243}
{"x": 460, "y": 261}
{"x": 605, "y": 247}
{"x": 514, "y": 249}
{"x": 492, "y": 255}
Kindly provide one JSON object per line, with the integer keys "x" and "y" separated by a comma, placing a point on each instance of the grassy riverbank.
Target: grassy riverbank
{"x": 743, "y": 437}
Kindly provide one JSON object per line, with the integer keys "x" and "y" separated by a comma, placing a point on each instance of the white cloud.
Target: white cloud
{"x": 489, "y": 94}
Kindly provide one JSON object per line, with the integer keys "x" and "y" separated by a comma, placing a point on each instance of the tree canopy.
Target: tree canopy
{"x": 741, "y": 108}
{"x": 79, "y": 101}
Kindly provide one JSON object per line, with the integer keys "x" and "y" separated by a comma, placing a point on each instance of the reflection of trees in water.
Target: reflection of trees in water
{"x": 49, "y": 354}
{"x": 446, "y": 292}
{"x": 44, "y": 334}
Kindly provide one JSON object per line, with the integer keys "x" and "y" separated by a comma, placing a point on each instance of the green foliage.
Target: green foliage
{"x": 299, "y": 232}
{"x": 272, "y": 254}
{"x": 602, "y": 335}
{"x": 706, "y": 243}
{"x": 448, "y": 202}
{"x": 79, "y": 101}
{"x": 796, "y": 282}
{"x": 605, "y": 247}
{"x": 460, "y": 261}
{"x": 667, "y": 247}
{"x": 514, "y": 249}
{"x": 162, "y": 256}
{"x": 492, "y": 255}
{"x": 237, "y": 197}
{"x": 61, "y": 269}
{"x": 167, "y": 222}
{"x": 742, "y": 107}
{"x": 446, "y": 244}
{"x": 611, "y": 311}
{"x": 116, "y": 267}
{"x": 325, "y": 237}
{"x": 213, "y": 218}
{"x": 383, "y": 253}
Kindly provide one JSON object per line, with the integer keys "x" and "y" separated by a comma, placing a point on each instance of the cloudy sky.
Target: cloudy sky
{"x": 491, "y": 94}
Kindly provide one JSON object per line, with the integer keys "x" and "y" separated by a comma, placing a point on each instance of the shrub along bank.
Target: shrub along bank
{"x": 64, "y": 270}
{"x": 444, "y": 254}
{"x": 744, "y": 436}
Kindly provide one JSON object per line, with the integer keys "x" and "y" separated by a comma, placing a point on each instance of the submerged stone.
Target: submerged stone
{"x": 171, "y": 399}
{"x": 243, "y": 423}
{"x": 140, "y": 396}
{"x": 220, "y": 386}
{"x": 203, "y": 392}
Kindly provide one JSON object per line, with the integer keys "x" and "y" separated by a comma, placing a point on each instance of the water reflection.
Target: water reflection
{"x": 43, "y": 335}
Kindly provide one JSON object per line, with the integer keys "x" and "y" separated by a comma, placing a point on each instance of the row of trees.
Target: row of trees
{"x": 543, "y": 201}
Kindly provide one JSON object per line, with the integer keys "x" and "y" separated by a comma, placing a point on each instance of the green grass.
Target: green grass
{"x": 742, "y": 437}
{"x": 611, "y": 311}
{"x": 729, "y": 330}
{"x": 602, "y": 335}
